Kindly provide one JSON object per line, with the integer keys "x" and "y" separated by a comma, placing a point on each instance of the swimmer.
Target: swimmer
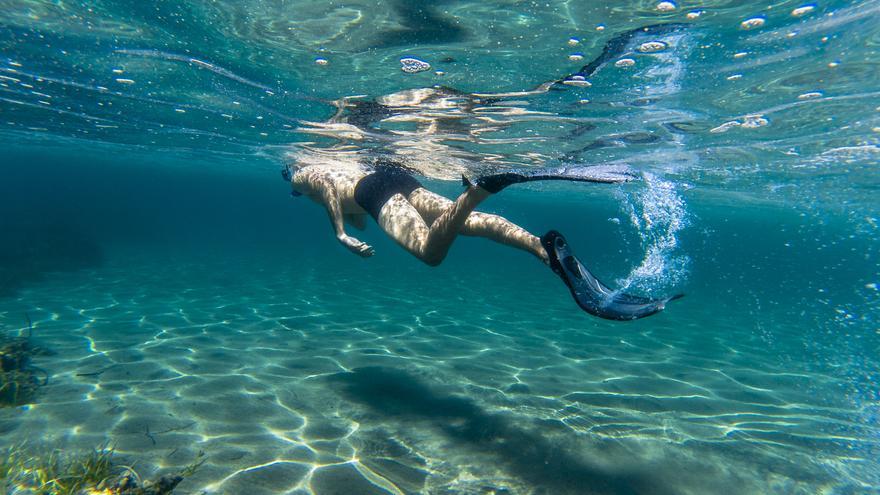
{"x": 426, "y": 224}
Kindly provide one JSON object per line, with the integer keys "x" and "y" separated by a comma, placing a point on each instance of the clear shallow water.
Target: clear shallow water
{"x": 157, "y": 248}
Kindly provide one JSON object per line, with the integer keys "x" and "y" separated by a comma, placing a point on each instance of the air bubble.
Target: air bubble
{"x": 652, "y": 47}
{"x": 412, "y": 65}
{"x": 810, "y": 95}
{"x": 322, "y": 61}
{"x": 806, "y": 9}
{"x": 574, "y": 57}
{"x": 573, "y": 42}
{"x": 577, "y": 80}
{"x": 625, "y": 62}
{"x": 666, "y": 6}
{"x": 754, "y": 121}
{"x": 754, "y": 22}
{"x": 694, "y": 14}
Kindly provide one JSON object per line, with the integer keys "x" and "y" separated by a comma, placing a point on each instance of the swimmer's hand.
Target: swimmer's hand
{"x": 357, "y": 247}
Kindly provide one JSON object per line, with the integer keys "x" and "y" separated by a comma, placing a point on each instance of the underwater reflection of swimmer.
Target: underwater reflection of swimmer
{"x": 418, "y": 125}
{"x": 426, "y": 224}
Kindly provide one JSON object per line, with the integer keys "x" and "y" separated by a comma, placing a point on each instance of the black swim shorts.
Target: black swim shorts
{"x": 374, "y": 190}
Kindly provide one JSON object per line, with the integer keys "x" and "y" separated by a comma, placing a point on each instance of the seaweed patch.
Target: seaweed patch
{"x": 19, "y": 379}
{"x": 89, "y": 473}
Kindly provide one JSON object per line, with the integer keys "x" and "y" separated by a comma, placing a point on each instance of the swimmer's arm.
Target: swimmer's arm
{"x": 330, "y": 198}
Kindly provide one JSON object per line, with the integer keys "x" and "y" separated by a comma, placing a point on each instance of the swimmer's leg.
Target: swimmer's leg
{"x": 431, "y": 205}
{"x": 402, "y": 221}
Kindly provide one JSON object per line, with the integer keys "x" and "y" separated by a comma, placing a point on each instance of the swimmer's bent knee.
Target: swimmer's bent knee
{"x": 432, "y": 259}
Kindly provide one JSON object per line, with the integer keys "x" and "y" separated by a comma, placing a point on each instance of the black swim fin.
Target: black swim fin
{"x": 605, "y": 174}
{"x": 593, "y": 296}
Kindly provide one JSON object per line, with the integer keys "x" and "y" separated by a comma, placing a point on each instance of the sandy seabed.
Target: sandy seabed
{"x": 294, "y": 382}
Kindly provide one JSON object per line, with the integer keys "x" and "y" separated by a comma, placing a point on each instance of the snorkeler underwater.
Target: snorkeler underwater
{"x": 426, "y": 224}
{"x": 469, "y": 280}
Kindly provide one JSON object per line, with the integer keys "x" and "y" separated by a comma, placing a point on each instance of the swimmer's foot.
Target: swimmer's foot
{"x": 606, "y": 174}
{"x": 593, "y": 296}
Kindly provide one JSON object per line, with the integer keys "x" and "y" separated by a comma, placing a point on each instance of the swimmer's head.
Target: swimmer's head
{"x": 288, "y": 169}
{"x": 287, "y": 172}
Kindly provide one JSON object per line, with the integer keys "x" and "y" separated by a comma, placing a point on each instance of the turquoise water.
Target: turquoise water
{"x": 193, "y": 306}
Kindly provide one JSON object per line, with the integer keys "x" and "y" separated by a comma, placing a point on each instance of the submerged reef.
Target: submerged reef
{"x": 89, "y": 473}
{"x": 19, "y": 380}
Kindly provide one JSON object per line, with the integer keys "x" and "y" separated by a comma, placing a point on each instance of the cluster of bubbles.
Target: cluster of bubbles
{"x": 658, "y": 213}
{"x": 411, "y": 65}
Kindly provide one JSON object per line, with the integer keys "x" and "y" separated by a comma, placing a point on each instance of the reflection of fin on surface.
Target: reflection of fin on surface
{"x": 616, "y": 47}
{"x": 617, "y": 141}
{"x": 606, "y": 174}
{"x": 593, "y": 296}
